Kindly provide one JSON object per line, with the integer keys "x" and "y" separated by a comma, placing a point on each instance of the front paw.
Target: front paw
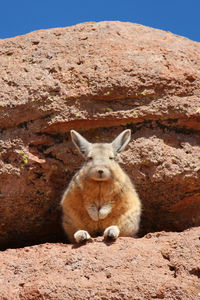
{"x": 112, "y": 232}
{"x": 104, "y": 211}
{"x": 81, "y": 236}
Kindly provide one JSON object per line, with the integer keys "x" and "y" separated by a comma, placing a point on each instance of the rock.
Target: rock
{"x": 158, "y": 266}
{"x": 97, "y": 78}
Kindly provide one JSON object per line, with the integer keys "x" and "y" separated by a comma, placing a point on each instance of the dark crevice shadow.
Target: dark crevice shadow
{"x": 109, "y": 242}
{"x": 79, "y": 245}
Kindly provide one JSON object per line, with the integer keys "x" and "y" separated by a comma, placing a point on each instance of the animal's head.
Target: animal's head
{"x": 101, "y": 157}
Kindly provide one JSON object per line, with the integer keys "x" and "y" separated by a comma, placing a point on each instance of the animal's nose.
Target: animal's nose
{"x": 100, "y": 172}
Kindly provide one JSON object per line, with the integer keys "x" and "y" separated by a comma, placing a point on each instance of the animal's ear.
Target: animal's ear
{"x": 121, "y": 141}
{"x": 80, "y": 142}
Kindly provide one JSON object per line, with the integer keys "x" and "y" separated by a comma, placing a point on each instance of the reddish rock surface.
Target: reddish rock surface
{"x": 158, "y": 266}
{"x": 98, "y": 78}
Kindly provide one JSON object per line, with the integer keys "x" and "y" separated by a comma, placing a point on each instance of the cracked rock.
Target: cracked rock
{"x": 97, "y": 78}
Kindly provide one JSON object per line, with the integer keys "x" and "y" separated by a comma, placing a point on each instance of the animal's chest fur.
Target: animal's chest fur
{"x": 100, "y": 193}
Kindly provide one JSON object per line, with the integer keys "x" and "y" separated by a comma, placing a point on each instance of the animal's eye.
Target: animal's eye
{"x": 111, "y": 158}
{"x": 90, "y": 158}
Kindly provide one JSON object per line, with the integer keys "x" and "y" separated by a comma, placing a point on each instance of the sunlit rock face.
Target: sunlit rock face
{"x": 99, "y": 79}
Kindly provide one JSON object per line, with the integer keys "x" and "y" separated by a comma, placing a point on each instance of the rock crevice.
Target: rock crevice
{"x": 98, "y": 78}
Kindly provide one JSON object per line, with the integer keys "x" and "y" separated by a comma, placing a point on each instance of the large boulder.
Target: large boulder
{"x": 157, "y": 266}
{"x": 98, "y": 78}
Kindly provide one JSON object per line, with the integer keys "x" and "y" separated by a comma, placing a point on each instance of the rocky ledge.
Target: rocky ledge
{"x": 158, "y": 266}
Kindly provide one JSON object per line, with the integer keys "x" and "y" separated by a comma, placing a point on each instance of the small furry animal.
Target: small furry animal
{"x": 100, "y": 199}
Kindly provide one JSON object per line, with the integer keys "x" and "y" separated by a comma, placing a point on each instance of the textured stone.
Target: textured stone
{"x": 158, "y": 266}
{"x": 98, "y": 78}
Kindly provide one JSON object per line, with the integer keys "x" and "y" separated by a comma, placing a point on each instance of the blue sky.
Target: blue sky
{"x": 181, "y": 17}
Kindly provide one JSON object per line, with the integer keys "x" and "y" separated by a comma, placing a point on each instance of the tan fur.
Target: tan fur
{"x": 114, "y": 200}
